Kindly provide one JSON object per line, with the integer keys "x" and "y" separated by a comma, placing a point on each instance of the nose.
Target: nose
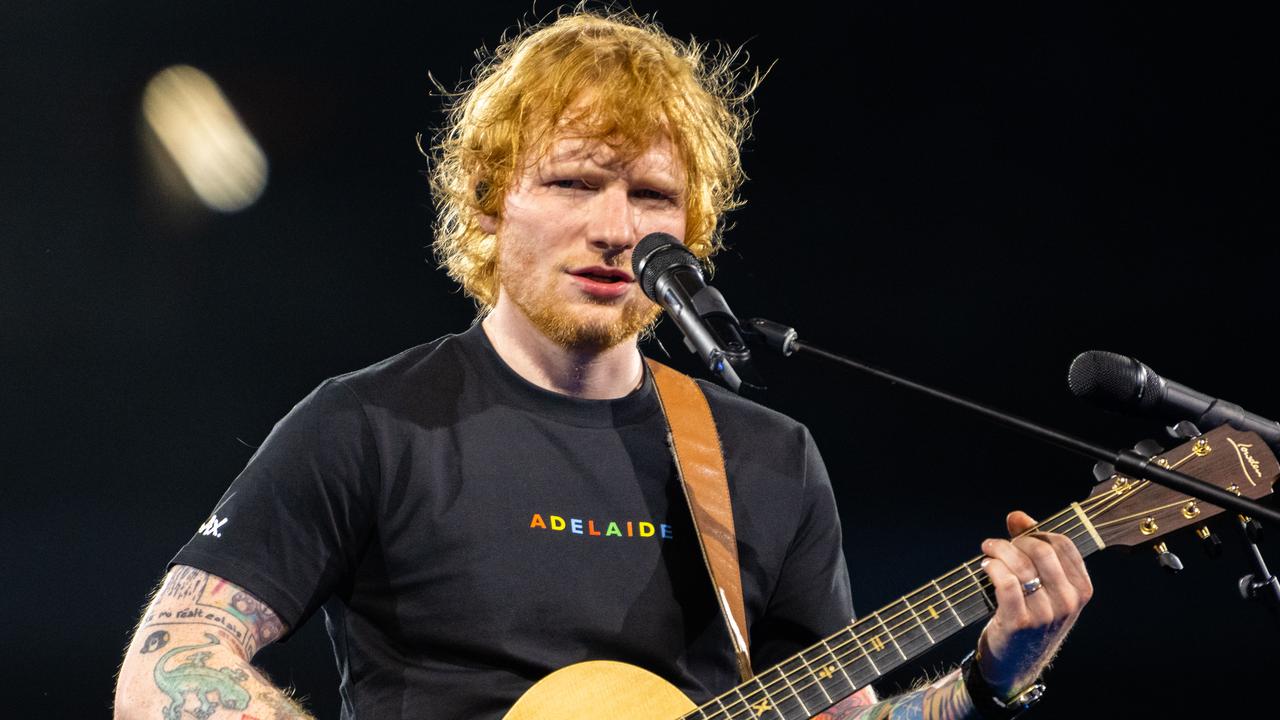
{"x": 613, "y": 223}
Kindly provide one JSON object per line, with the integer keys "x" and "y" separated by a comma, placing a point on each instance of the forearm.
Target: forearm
{"x": 191, "y": 676}
{"x": 945, "y": 699}
{"x": 190, "y": 655}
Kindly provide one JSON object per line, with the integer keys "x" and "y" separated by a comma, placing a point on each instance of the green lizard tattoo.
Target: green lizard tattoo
{"x": 194, "y": 677}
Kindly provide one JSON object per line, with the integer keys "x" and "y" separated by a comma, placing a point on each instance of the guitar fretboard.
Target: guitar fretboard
{"x": 823, "y": 674}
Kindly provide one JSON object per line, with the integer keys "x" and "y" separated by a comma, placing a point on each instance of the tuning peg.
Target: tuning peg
{"x": 1168, "y": 560}
{"x": 1252, "y": 529}
{"x": 1148, "y": 448}
{"x": 1184, "y": 430}
{"x": 1210, "y": 541}
{"x": 1103, "y": 471}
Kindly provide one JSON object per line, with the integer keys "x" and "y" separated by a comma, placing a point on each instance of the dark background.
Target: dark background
{"x": 967, "y": 195}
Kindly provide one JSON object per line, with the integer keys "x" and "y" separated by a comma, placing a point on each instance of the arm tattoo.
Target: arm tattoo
{"x": 946, "y": 700}
{"x": 194, "y": 597}
{"x": 849, "y": 706}
{"x": 195, "y": 678}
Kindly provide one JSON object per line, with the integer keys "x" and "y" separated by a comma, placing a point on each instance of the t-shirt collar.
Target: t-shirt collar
{"x": 513, "y": 390}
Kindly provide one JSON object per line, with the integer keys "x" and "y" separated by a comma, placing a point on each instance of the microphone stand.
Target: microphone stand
{"x": 783, "y": 339}
{"x": 1253, "y": 584}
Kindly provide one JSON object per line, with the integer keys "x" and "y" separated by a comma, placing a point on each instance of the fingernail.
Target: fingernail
{"x": 984, "y": 562}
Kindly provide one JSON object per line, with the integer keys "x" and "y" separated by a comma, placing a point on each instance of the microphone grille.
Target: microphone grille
{"x": 653, "y": 255}
{"x": 1112, "y": 380}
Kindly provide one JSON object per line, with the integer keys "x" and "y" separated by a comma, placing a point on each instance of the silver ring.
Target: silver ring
{"x": 1031, "y": 586}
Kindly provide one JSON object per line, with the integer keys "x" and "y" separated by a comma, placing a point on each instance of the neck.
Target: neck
{"x": 587, "y": 373}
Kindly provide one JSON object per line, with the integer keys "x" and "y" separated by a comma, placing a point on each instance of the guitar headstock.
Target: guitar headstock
{"x": 1130, "y": 512}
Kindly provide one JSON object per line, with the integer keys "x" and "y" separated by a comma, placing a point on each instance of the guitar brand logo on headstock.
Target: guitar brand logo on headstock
{"x": 1247, "y": 462}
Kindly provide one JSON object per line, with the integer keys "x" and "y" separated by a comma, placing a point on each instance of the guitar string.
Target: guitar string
{"x": 1106, "y": 501}
{"x": 906, "y": 599}
{"x": 983, "y": 583}
{"x": 748, "y": 700}
{"x": 774, "y": 703}
{"x": 1123, "y": 495}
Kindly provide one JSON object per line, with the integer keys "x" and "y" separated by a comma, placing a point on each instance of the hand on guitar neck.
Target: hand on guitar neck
{"x": 1040, "y": 585}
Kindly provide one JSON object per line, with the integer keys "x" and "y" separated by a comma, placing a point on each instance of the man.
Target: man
{"x": 479, "y": 511}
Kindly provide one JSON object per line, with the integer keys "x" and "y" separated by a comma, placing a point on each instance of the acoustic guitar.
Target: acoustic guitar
{"x": 1120, "y": 511}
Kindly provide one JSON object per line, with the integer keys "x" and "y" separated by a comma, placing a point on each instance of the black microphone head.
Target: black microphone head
{"x": 1114, "y": 381}
{"x": 654, "y": 255}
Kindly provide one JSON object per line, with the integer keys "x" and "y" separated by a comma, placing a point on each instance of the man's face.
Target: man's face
{"x": 568, "y": 226}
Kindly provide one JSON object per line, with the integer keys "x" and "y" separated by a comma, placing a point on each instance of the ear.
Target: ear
{"x": 488, "y": 223}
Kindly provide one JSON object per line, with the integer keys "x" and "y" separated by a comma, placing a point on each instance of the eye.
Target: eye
{"x": 651, "y": 194}
{"x": 571, "y": 184}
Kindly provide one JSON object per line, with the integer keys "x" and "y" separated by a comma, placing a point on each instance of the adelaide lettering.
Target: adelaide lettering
{"x": 590, "y": 527}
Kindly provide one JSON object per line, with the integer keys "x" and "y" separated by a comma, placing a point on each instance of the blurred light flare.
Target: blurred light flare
{"x": 200, "y": 130}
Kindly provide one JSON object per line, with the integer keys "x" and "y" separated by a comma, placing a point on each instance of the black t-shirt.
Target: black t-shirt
{"x": 468, "y": 532}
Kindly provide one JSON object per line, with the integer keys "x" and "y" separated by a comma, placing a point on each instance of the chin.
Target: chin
{"x": 594, "y": 328}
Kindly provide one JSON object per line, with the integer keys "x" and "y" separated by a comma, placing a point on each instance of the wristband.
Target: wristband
{"x": 989, "y": 706}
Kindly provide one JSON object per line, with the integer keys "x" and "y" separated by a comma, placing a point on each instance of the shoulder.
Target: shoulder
{"x": 425, "y": 373}
{"x": 763, "y": 448}
{"x": 397, "y": 388}
{"x": 407, "y": 366}
{"x": 735, "y": 414}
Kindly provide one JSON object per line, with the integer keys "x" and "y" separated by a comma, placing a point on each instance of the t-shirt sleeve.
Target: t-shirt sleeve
{"x": 812, "y": 598}
{"x": 293, "y": 523}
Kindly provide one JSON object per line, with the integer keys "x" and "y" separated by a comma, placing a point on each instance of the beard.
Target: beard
{"x": 576, "y": 325}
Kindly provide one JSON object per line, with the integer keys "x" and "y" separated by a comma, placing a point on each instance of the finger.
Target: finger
{"x": 1072, "y": 563}
{"x": 1056, "y": 587}
{"x": 1015, "y": 559}
{"x": 1018, "y": 522}
{"x": 1009, "y": 596}
{"x": 1034, "y": 610}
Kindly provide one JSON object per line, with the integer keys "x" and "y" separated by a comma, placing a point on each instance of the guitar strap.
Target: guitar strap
{"x": 695, "y": 445}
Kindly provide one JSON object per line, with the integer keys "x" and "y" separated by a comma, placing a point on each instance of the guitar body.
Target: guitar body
{"x": 601, "y": 689}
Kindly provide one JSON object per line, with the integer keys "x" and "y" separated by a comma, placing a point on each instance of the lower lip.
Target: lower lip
{"x": 601, "y": 289}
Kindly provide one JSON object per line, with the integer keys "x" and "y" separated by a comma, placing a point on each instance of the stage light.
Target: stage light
{"x": 202, "y": 133}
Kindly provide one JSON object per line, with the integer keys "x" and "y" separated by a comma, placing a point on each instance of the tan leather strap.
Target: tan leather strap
{"x": 695, "y": 445}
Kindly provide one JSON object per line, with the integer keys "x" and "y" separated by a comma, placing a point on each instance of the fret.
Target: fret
{"x": 933, "y": 611}
{"x": 724, "y": 711}
{"x": 817, "y": 680}
{"x": 900, "y": 633}
{"x": 785, "y": 679}
{"x": 797, "y": 674}
{"x": 856, "y": 662}
{"x": 978, "y": 583}
{"x": 853, "y": 632}
{"x": 947, "y": 601}
{"x": 853, "y": 686}
{"x": 828, "y": 671}
{"x": 916, "y": 615}
{"x": 760, "y": 707}
{"x": 884, "y": 655}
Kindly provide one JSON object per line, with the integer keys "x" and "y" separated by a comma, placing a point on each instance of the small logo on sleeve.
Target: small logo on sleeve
{"x": 213, "y": 526}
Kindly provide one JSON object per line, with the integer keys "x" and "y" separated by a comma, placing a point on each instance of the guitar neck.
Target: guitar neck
{"x": 823, "y": 674}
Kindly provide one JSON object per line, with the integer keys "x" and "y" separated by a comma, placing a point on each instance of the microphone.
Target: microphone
{"x": 671, "y": 277}
{"x": 1122, "y": 383}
